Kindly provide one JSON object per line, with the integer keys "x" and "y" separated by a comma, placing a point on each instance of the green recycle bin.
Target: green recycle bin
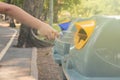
{"x": 99, "y": 57}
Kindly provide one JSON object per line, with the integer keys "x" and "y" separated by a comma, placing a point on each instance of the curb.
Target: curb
{"x": 34, "y": 69}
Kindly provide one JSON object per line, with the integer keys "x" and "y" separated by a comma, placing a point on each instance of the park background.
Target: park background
{"x": 56, "y": 12}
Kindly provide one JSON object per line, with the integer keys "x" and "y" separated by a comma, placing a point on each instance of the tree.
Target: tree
{"x": 11, "y": 20}
{"x": 26, "y": 39}
{"x": 57, "y": 7}
{"x": 51, "y": 12}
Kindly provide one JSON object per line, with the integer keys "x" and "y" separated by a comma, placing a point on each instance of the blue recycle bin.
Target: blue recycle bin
{"x": 99, "y": 59}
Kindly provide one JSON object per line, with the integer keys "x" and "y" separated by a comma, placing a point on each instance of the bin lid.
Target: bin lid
{"x": 65, "y": 25}
{"x": 83, "y": 33}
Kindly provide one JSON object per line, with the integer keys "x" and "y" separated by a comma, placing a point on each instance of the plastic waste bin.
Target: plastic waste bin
{"x": 99, "y": 58}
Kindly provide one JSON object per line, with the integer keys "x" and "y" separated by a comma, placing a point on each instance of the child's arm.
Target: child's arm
{"x": 27, "y": 19}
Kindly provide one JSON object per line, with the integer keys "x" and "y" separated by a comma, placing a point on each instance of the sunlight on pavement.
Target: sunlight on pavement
{"x": 14, "y": 73}
{"x": 3, "y": 24}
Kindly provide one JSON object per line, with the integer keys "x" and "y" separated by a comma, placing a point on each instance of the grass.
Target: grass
{"x": 56, "y": 26}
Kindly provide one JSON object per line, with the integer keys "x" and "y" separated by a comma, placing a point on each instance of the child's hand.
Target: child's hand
{"x": 47, "y": 31}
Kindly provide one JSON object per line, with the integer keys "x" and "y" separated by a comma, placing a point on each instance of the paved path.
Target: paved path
{"x": 15, "y": 63}
{"x": 5, "y": 36}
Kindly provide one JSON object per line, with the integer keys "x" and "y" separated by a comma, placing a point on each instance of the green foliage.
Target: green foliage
{"x": 56, "y": 27}
{"x": 17, "y": 2}
{"x": 87, "y": 8}
{"x": 2, "y": 0}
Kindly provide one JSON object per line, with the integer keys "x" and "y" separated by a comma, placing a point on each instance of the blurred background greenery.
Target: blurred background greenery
{"x": 58, "y": 11}
{"x": 69, "y": 9}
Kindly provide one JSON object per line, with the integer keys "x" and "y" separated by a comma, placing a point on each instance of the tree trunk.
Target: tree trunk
{"x": 51, "y": 12}
{"x": 12, "y": 23}
{"x": 57, "y": 7}
{"x": 34, "y": 7}
{"x": 11, "y": 20}
{"x": 23, "y": 38}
